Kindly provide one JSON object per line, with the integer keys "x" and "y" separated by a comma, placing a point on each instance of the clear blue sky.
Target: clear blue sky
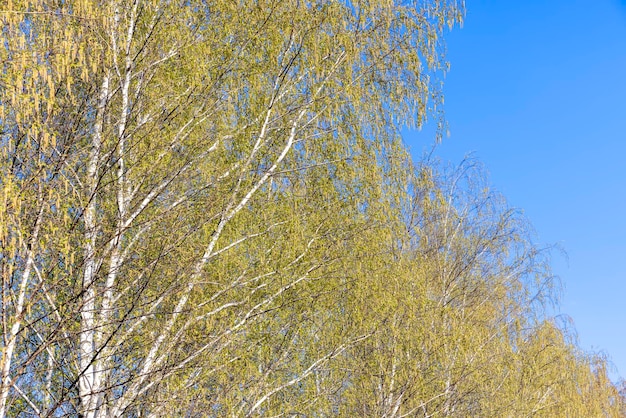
{"x": 537, "y": 90}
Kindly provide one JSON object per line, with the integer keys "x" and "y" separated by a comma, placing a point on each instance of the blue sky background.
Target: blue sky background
{"x": 537, "y": 91}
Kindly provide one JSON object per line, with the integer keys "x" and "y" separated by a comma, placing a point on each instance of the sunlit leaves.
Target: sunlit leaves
{"x": 207, "y": 210}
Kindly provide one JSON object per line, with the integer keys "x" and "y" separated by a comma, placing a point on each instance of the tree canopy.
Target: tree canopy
{"x": 208, "y": 210}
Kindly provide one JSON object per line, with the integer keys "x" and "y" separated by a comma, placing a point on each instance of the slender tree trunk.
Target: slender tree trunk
{"x": 10, "y": 340}
{"x": 87, "y": 383}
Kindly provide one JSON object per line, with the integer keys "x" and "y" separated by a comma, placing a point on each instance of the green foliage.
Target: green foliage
{"x": 207, "y": 210}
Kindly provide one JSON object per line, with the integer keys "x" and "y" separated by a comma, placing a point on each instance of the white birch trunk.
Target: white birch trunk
{"x": 10, "y": 340}
{"x": 87, "y": 347}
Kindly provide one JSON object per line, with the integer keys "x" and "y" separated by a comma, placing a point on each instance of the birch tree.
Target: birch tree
{"x": 461, "y": 272}
{"x": 147, "y": 233}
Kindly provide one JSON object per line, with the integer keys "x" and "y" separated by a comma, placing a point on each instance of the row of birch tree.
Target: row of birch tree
{"x": 206, "y": 210}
